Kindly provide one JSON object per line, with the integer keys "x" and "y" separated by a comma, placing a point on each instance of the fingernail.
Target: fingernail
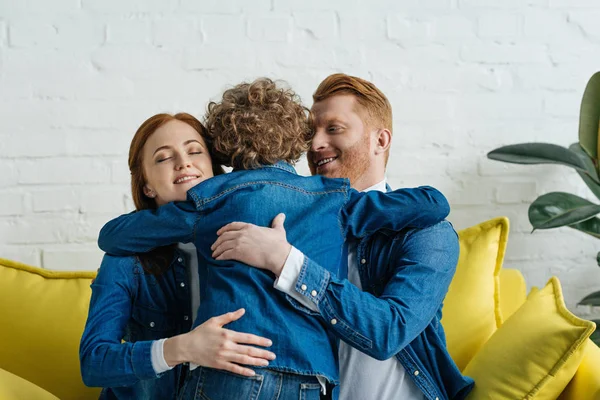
{"x": 265, "y": 363}
{"x": 273, "y": 356}
{"x": 252, "y": 373}
{"x": 269, "y": 343}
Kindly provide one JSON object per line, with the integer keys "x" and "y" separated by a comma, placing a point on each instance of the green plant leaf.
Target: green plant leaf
{"x": 592, "y": 299}
{"x": 537, "y": 153}
{"x": 589, "y": 117}
{"x": 591, "y": 227}
{"x": 556, "y": 209}
{"x": 596, "y": 334}
{"x": 590, "y": 177}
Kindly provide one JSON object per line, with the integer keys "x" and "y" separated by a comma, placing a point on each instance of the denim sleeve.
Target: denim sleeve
{"x": 104, "y": 360}
{"x": 142, "y": 231}
{"x": 367, "y": 212}
{"x": 423, "y": 265}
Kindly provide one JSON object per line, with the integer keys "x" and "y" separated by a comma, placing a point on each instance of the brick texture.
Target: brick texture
{"x": 77, "y": 77}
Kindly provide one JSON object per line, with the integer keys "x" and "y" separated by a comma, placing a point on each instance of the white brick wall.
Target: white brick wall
{"x": 77, "y": 77}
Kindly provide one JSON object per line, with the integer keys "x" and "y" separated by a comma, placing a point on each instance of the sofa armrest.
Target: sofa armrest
{"x": 585, "y": 385}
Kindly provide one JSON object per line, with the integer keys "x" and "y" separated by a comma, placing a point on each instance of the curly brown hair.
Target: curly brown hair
{"x": 258, "y": 123}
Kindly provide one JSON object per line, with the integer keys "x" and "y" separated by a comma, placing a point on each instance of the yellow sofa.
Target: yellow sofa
{"x": 488, "y": 317}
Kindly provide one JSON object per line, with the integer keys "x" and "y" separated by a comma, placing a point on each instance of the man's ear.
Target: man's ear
{"x": 384, "y": 141}
{"x": 149, "y": 192}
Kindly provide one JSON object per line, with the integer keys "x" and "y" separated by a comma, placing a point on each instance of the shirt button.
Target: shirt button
{"x": 363, "y": 261}
{"x": 182, "y": 284}
{"x": 303, "y": 287}
{"x": 185, "y": 317}
{"x": 416, "y": 373}
{"x": 152, "y": 324}
{"x": 333, "y": 321}
{"x": 314, "y": 293}
{"x": 180, "y": 259}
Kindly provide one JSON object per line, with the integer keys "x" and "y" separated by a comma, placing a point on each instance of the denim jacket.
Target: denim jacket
{"x": 139, "y": 308}
{"x": 313, "y": 205}
{"x": 405, "y": 276}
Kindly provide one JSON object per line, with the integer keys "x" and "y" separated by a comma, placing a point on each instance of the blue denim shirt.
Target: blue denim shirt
{"x": 405, "y": 276}
{"x": 139, "y": 308}
{"x": 314, "y": 206}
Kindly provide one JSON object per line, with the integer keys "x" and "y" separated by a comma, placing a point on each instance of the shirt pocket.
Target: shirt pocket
{"x": 151, "y": 324}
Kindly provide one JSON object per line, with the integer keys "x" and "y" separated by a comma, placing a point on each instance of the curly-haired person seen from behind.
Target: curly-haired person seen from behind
{"x": 261, "y": 129}
{"x": 257, "y": 124}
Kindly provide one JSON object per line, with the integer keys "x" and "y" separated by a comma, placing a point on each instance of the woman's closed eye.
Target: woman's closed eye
{"x": 160, "y": 159}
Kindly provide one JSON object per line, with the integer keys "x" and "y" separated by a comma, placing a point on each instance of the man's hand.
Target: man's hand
{"x": 264, "y": 248}
{"x": 211, "y": 345}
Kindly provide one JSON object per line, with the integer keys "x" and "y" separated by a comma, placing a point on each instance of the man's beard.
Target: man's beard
{"x": 353, "y": 162}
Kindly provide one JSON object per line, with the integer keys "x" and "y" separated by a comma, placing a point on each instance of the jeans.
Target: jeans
{"x": 211, "y": 384}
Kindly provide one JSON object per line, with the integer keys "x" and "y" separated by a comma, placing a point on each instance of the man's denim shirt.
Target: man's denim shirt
{"x": 139, "y": 308}
{"x": 406, "y": 276}
{"x": 322, "y": 213}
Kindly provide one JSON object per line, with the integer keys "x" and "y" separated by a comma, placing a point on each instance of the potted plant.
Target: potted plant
{"x": 557, "y": 209}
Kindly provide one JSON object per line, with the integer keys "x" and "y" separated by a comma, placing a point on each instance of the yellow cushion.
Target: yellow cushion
{"x": 513, "y": 291}
{"x": 585, "y": 385}
{"x": 13, "y": 387}
{"x": 42, "y": 315}
{"x": 471, "y": 312}
{"x": 535, "y": 353}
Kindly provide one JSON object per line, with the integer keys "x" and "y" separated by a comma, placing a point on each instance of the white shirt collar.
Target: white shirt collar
{"x": 381, "y": 186}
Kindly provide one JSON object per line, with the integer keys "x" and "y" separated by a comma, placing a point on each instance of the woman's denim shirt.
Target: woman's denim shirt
{"x": 128, "y": 304}
{"x": 321, "y": 214}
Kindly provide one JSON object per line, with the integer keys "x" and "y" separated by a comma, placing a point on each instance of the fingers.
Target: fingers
{"x": 229, "y": 254}
{"x": 221, "y": 248}
{"x": 244, "y": 355}
{"x": 254, "y": 352}
{"x": 236, "y": 369}
{"x": 224, "y": 238}
{"x": 248, "y": 338}
{"x": 228, "y": 317}
{"x": 278, "y": 221}
{"x": 233, "y": 226}
{"x": 246, "y": 360}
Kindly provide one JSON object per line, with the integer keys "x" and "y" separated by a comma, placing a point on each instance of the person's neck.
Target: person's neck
{"x": 367, "y": 180}
{"x": 374, "y": 174}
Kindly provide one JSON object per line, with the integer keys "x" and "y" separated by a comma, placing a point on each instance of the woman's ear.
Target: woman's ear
{"x": 149, "y": 192}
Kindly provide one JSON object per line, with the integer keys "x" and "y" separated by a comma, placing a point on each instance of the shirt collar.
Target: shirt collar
{"x": 280, "y": 165}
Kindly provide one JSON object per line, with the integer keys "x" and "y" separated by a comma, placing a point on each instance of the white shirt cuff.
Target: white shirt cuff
{"x": 158, "y": 357}
{"x": 286, "y": 282}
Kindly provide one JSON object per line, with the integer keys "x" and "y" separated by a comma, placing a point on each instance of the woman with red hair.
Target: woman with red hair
{"x": 137, "y": 336}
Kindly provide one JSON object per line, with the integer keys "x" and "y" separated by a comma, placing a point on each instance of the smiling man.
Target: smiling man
{"x": 386, "y": 308}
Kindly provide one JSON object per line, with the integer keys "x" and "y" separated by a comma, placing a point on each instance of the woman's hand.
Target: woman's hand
{"x": 264, "y": 248}
{"x": 211, "y": 345}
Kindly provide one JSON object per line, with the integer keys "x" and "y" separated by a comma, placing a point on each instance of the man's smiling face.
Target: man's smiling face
{"x": 341, "y": 144}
